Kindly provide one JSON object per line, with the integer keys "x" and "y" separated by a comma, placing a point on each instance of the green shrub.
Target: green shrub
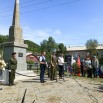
{"x": 101, "y": 61}
{"x": 30, "y": 62}
{"x": 75, "y": 68}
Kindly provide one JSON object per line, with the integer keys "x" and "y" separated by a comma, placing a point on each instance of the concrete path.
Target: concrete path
{"x": 68, "y": 91}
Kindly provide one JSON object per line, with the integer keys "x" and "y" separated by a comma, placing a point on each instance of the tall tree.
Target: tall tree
{"x": 91, "y": 46}
{"x": 44, "y": 45}
{"x": 61, "y": 48}
{"x": 51, "y": 44}
{"x": 48, "y": 46}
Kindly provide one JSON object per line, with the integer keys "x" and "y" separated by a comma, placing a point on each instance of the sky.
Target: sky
{"x": 71, "y": 22}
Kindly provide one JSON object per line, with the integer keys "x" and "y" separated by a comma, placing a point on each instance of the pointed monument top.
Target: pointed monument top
{"x": 17, "y": 1}
{"x": 15, "y": 31}
{"x": 16, "y": 15}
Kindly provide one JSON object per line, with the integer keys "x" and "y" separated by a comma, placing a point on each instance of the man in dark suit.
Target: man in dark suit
{"x": 42, "y": 60}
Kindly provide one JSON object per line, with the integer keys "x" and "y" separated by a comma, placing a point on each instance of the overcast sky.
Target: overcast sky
{"x": 71, "y": 22}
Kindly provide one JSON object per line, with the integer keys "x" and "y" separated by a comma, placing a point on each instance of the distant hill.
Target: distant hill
{"x": 35, "y": 48}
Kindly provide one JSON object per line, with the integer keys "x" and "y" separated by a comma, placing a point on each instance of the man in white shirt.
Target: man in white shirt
{"x": 61, "y": 66}
{"x": 88, "y": 67}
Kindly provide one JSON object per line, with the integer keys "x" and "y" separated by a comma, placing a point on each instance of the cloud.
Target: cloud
{"x": 57, "y": 32}
{"x": 38, "y": 35}
{"x": 35, "y": 35}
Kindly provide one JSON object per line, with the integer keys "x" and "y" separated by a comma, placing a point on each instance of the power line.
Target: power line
{"x": 47, "y": 7}
{"x": 20, "y": 4}
{"x": 26, "y": 2}
{"x": 7, "y": 7}
{"x": 46, "y": 1}
{"x": 9, "y": 10}
{"x": 52, "y": 6}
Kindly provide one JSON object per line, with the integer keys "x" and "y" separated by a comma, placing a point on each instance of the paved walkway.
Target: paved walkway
{"x": 68, "y": 91}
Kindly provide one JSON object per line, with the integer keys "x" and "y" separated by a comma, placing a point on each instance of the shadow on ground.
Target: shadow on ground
{"x": 35, "y": 80}
{"x": 31, "y": 81}
{"x": 100, "y": 88}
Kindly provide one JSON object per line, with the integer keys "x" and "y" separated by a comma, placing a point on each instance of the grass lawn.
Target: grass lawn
{"x": 37, "y": 71}
{"x": 88, "y": 79}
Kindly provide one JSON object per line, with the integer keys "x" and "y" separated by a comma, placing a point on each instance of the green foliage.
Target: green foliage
{"x": 30, "y": 62}
{"x": 32, "y": 46}
{"x": 51, "y": 44}
{"x": 44, "y": 45}
{"x": 75, "y": 68}
{"x": 48, "y": 46}
{"x": 91, "y": 46}
{"x": 3, "y": 38}
{"x": 101, "y": 61}
{"x": 62, "y": 48}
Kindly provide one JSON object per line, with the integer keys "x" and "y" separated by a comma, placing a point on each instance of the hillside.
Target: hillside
{"x": 35, "y": 48}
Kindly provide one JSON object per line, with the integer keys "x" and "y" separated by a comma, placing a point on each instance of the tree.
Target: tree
{"x": 61, "y": 48}
{"x": 3, "y": 38}
{"x": 48, "y": 46}
{"x": 44, "y": 45}
{"x": 91, "y": 46}
{"x": 51, "y": 44}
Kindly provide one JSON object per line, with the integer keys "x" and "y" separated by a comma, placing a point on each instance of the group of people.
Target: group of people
{"x": 54, "y": 63}
{"x": 90, "y": 67}
{"x": 11, "y": 66}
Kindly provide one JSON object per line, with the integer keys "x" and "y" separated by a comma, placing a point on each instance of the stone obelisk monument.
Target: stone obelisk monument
{"x": 16, "y": 43}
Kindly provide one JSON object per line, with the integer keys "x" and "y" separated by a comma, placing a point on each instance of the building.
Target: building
{"x": 82, "y": 51}
{"x": 32, "y": 57}
{"x": 32, "y": 61}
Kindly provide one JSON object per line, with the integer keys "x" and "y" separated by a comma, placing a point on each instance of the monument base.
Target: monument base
{"x": 20, "y": 50}
{"x": 5, "y": 77}
{"x": 24, "y": 75}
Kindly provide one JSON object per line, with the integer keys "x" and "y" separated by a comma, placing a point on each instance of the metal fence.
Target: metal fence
{"x": 33, "y": 66}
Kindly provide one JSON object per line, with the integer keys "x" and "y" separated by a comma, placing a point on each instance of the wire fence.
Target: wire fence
{"x": 33, "y": 66}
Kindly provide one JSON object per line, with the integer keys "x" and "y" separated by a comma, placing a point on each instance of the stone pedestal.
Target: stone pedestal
{"x": 20, "y": 50}
{"x": 15, "y": 34}
{"x": 29, "y": 74}
{"x": 5, "y": 77}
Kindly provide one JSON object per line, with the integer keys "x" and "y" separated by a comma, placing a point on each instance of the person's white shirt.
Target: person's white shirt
{"x": 41, "y": 58}
{"x": 60, "y": 61}
{"x": 88, "y": 63}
